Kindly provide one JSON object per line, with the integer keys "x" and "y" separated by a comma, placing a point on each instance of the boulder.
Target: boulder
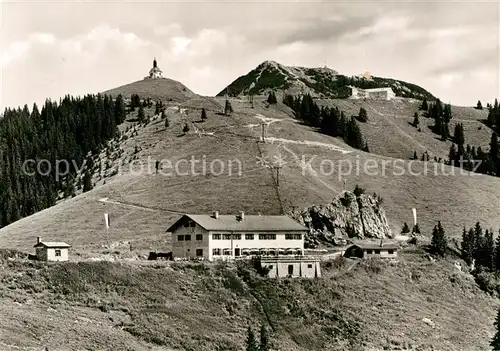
{"x": 346, "y": 217}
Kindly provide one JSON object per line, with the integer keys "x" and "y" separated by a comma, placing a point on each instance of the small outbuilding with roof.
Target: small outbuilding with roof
{"x": 51, "y": 250}
{"x": 369, "y": 250}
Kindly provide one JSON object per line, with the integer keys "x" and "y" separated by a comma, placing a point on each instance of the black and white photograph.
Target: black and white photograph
{"x": 208, "y": 175}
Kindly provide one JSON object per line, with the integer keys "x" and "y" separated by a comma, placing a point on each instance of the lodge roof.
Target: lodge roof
{"x": 248, "y": 223}
{"x": 376, "y": 246}
{"x": 53, "y": 244}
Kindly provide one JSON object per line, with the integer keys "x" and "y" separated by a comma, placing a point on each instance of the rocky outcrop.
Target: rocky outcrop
{"x": 346, "y": 217}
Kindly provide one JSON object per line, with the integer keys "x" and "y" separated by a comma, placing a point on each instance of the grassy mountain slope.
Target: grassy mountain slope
{"x": 157, "y": 89}
{"x": 141, "y": 305}
{"x": 412, "y": 305}
{"x": 389, "y": 132}
{"x": 141, "y": 206}
{"x": 321, "y": 82}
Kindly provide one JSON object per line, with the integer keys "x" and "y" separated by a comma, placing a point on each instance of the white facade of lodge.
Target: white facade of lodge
{"x": 228, "y": 237}
{"x": 375, "y": 93}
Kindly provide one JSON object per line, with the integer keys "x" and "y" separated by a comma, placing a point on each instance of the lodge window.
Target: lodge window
{"x": 369, "y": 252}
{"x": 293, "y": 236}
{"x": 216, "y": 252}
{"x": 187, "y": 237}
{"x": 377, "y": 252}
{"x": 271, "y": 267}
{"x": 227, "y": 252}
{"x": 267, "y": 236}
{"x": 216, "y": 236}
{"x": 58, "y": 253}
{"x": 199, "y": 252}
{"x": 199, "y": 237}
{"x": 309, "y": 266}
{"x": 226, "y": 236}
{"x": 248, "y": 236}
{"x": 391, "y": 252}
{"x": 180, "y": 237}
{"x": 290, "y": 269}
{"x": 236, "y": 236}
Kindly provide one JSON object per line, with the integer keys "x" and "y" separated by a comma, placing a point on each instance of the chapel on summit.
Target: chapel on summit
{"x": 155, "y": 72}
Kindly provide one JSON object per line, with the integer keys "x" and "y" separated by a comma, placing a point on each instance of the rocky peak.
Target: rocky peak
{"x": 346, "y": 217}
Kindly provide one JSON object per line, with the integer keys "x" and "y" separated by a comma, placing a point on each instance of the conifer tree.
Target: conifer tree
{"x": 135, "y": 100}
{"x": 416, "y": 229}
{"x": 354, "y": 137}
{"x": 424, "y": 105}
{"x": 405, "y": 229}
{"x": 366, "y": 148}
{"x": 439, "y": 240}
{"x": 271, "y": 99}
{"x": 251, "y": 341}
{"x": 416, "y": 121}
{"x": 479, "y": 106}
{"x": 141, "y": 116}
{"x": 478, "y": 243}
{"x": 228, "y": 109}
{"x": 87, "y": 181}
{"x": 489, "y": 250}
{"x": 415, "y": 156}
{"x": 362, "y": 115}
{"x": 447, "y": 114}
{"x": 495, "y": 342}
{"x": 120, "y": 111}
{"x": 459, "y": 135}
{"x": 186, "y": 128}
{"x": 494, "y": 155}
{"x": 203, "y": 114}
{"x": 467, "y": 246}
{"x": 497, "y": 253}
{"x": 264, "y": 339}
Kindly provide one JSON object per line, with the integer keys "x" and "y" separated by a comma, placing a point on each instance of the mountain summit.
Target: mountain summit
{"x": 318, "y": 82}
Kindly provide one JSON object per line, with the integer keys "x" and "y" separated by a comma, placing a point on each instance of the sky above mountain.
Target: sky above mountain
{"x": 50, "y": 49}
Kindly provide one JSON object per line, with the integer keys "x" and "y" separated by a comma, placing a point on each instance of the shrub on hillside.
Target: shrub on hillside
{"x": 337, "y": 263}
{"x": 488, "y": 282}
{"x": 233, "y": 282}
{"x": 374, "y": 265}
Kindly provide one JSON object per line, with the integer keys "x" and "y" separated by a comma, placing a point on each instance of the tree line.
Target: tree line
{"x": 330, "y": 121}
{"x": 463, "y": 155}
{"x": 71, "y": 130}
{"x": 472, "y": 158}
{"x": 442, "y": 116}
{"x": 493, "y": 119}
{"x": 479, "y": 247}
